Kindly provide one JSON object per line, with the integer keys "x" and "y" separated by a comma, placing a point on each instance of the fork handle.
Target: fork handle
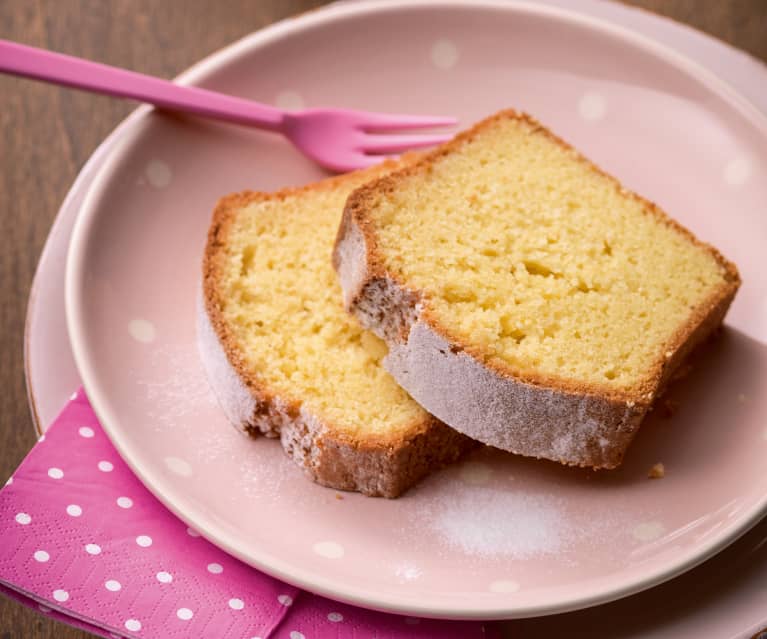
{"x": 22, "y": 60}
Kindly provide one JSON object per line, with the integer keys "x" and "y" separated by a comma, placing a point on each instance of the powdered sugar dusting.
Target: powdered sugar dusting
{"x": 182, "y": 390}
{"x": 266, "y": 470}
{"x": 492, "y": 408}
{"x": 497, "y": 522}
{"x": 178, "y": 394}
{"x": 407, "y": 571}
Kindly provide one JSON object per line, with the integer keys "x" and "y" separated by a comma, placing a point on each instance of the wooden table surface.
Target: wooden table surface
{"x": 47, "y": 134}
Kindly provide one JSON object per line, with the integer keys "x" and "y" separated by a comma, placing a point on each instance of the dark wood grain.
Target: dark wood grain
{"x": 47, "y": 134}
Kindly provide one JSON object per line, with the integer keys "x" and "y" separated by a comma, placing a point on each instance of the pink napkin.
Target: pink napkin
{"x": 83, "y": 541}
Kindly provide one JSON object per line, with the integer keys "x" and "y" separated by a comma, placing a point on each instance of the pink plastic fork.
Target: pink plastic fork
{"x": 338, "y": 139}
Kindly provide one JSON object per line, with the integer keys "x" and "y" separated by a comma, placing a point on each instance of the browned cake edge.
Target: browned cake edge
{"x": 543, "y": 416}
{"x": 382, "y": 466}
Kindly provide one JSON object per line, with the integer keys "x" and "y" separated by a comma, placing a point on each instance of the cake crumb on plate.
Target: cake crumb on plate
{"x": 658, "y": 471}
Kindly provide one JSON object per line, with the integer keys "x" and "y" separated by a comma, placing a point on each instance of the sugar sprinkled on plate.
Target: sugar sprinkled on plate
{"x": 499, "y": 522}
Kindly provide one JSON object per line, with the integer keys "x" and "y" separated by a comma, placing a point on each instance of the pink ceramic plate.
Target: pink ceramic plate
{"x": 495, "y": 536}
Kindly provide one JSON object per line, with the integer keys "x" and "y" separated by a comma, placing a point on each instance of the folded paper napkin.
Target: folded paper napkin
{"x": 84, "y": 542}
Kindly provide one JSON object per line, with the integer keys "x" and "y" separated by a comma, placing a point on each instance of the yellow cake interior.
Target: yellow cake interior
{"x": 530, "y": 253}
{"x": 282, "y": 301}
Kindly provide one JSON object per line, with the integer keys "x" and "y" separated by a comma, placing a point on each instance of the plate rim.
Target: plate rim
{"x": 131, "y": 129}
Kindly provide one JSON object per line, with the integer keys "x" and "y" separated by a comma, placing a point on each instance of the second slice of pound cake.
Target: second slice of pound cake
{"x": 527, "y": 298}
{"x": 287, "y": 361}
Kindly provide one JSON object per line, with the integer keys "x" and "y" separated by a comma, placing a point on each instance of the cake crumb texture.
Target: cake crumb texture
{"x": 528, "y": 300}
{"x": 287, "y": 361}
{"x": 281, "y": 301}
{"x": 525, "y": 251}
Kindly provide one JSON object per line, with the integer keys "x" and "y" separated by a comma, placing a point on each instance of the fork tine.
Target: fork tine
{"x": 398, "y": 122}
{"x": 397, "y": 143}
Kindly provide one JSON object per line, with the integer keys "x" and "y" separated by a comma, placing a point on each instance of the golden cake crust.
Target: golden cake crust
{"x": 518, "y": 406}
{"x": 376, "y": 464}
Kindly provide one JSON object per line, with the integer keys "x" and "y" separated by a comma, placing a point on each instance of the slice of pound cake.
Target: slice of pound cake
{"x": 527, "y": 298}
{"x": 286, "y": 360}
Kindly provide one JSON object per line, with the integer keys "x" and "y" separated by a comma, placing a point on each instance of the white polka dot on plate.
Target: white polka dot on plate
{"x": 184, "y": 614}
{"x": 294, "y": 634}
{"x": 106, "y": 467}
{"x": 335, "y": 617}
{"x": 215, "y": 568}
{"x": 60, "y": 595}
{"x": 289, "y": 100}
{"x": 112, "y": 585}
{"x": 93, "y": 549}
{"x": 41, "y": 556}
{"x": 444, "y": 54}
{"x": 134, "y": 625}
{"x": 164, "y": 577}
{"x": 328, "y": 549}
{"x": 285, "y": 600}
{"x": 504, "y": 586}
{"x": 737, "y": 171}
{"x": 55, "y": 473}
{"x": 144, "y": 541}
{"x": 648, "y": 530}
{"x": 192, "y": 532}
{"x": 9, "y": 482}
{"x": 236, "y": 604}
{"x": 73, "y": 510}
{"x": 41, "y": 438}
{"x": 592, "y": 107}
{"x": 124, "y": 502}
{"x": 142, "y": 330}
{"x": 86, "y": 431}
{"x": 23, "y": 519}
{"x": 158, "y": 174}
{"x": 178, "y": 466}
